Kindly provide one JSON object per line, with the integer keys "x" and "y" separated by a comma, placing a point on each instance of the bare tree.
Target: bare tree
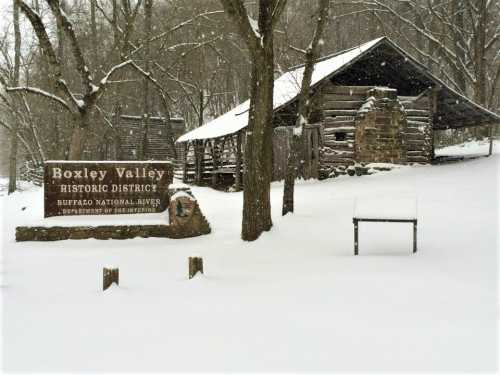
{"x": 304, "y": 100}
{"x": 81, "y": 109}
{"x": 15, "y": 82}
{"x": 258, "y": 36}
{"x": 148, "y": 9}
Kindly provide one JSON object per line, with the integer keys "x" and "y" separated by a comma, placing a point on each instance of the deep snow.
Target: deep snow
{"x": 295, "y": 300}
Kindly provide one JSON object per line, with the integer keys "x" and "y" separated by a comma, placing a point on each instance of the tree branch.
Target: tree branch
{"x": 45, "y": 94}
{"x": 81, "y": 65}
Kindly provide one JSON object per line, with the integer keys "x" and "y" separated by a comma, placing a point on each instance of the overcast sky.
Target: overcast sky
{"x": 4, "y": 13}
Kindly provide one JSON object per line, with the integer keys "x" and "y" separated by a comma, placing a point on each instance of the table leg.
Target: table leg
{"x": 355, "y": 237}
{"x": 415, "y": 236}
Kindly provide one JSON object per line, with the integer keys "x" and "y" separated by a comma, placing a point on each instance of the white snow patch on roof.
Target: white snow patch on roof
{"x": 286, "y": 88}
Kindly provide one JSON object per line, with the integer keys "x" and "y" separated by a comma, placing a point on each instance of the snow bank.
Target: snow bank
{"x": 471, "y": 148}
{"x": 296, "y": 300}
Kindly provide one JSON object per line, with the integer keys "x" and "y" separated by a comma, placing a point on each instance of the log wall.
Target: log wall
{"x": 353, "y": 124}
{"x": 340, "y": 105}
{"x": 387, "y": 128}
{"x": 134, "y": 140}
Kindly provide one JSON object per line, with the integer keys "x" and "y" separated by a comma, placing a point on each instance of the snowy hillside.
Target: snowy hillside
{"x": 295, "y": 300}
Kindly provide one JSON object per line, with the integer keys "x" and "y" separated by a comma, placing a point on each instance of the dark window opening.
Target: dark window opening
{"x": 340, "y": 136}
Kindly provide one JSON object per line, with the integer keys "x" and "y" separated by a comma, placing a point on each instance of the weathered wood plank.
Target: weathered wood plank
{"x": 347, "y": 104}
{"x": 418, "y": 118}
{"x": 332, "y": 124}
{"x": 335, "y": 89}
{"x": 345, "y": 96}
{"x": 417, "y": 112}
{"x": 332, "y": 112}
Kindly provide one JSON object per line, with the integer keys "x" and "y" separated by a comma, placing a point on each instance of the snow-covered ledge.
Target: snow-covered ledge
{"x": 183, "y": 219}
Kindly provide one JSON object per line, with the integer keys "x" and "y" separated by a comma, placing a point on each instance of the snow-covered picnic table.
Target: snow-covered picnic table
{"x": 391, "y": 209}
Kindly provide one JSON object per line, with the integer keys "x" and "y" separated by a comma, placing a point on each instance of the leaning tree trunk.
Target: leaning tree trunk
{"x": 304, "y": 109}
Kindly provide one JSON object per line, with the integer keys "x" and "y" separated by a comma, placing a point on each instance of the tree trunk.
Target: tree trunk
{"x": 258, "y": 146}
{"x": 14, "y": 135}
{"x": 148, "y": 6}
{"x": 259, "y": 143}
{"x": 479, "y": 54}
{"x": 78, "y": 136}
{"x": 60, "y": 34}
{"x": 77, "y": 143}
{"x": 457, "y": 11}
{"x": 93, "y": 27}
{"x": 290, "y": 175}
{"x": 304, "y": 110}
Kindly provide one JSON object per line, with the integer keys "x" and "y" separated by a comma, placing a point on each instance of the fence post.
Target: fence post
{"x": 195, "y": 266}
{"x": 110, "y": 276}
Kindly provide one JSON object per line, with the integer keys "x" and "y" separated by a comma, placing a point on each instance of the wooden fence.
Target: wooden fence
{"x": 32, "y": 173}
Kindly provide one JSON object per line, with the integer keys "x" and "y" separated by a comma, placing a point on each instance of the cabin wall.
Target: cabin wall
{"x": 363, "y": 125}
{"x": 282, "y": 143}
{"x": 419, "y": 133}
{"x": 339, "y": 105}
{"x": 131, "y": 139}
{"x": 352, "y": 124}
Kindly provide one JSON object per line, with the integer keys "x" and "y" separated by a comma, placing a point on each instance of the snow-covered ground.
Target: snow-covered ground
{"x": 295, "y": 300}
{"x": 469, "y": 149}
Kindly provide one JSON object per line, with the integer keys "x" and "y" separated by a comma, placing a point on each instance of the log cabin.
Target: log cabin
{"x": 130, "y": 139}
{"x": 371, "y": 103}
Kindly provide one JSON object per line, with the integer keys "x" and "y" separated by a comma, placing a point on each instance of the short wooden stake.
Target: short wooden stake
{"x": 110, "y": 276}
{"x": 195, "y": 266}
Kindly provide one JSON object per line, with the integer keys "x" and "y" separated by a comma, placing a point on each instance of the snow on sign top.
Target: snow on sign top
{"x": 390, "y": 207}
{"x": 286, "y": 88}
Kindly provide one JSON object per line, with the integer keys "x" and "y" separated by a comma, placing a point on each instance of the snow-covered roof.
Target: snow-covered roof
{"x": 286, "y": 88}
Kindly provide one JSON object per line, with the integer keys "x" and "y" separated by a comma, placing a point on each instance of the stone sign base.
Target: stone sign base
{"x": 186, "y": 220}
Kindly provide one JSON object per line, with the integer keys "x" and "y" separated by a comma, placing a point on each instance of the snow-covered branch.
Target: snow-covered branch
{"x": 41, "y": 33}
{"x": 40, "y": 92}
{"x": 81, "y": 65}
{"x": 173, "y": 29}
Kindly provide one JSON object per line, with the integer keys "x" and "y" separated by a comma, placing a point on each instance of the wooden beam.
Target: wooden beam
{"x": 237, "y": 182}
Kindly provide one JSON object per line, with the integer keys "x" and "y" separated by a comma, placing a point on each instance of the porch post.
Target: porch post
{"x": 237, "y": 177}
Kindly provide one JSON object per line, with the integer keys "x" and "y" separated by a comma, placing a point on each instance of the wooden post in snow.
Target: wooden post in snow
{"x": 237, "y": 178}
{"x": 433, "y": 104}
{"x": 195, "y": 266}
{"x": 490, "y": 151}
{"x": 185, "y": 168}
{"x": 110, "y": 276}
{"x": 215, "y": 162}
{"x": 199, "y": 153}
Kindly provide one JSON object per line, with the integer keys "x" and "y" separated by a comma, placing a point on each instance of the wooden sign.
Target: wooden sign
{"x": 106, "y": 188}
